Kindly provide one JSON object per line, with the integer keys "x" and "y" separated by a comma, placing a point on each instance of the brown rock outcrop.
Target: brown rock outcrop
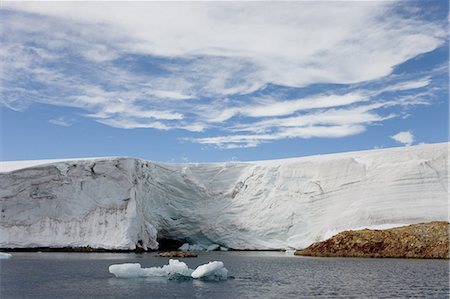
{"x": 422, "y": 240}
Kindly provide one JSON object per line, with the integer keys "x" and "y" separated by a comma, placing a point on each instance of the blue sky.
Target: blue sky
{"x": 210, "y": 81}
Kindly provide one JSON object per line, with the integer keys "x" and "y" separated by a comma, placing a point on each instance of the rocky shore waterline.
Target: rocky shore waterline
{"x": 422, "y": 240}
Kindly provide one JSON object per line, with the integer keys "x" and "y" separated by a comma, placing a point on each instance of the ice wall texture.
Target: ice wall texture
{"x": 121, "y": 203}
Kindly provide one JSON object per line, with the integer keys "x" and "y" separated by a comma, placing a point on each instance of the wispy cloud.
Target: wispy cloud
{"x": 273, "y": 107}
{"x": 349, "y": 116}
{"x": 253, "y": 140}
{"x": 242, "y": 69}
{"x": 61, "y": 121}
{"x": 405, "y": 137}
{"x": 408, "y": 85}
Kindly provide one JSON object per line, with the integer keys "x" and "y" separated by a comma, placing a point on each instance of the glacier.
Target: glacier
{"x": 122, "y": 203}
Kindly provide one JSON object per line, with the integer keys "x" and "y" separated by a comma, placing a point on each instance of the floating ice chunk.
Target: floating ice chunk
{"x": 177, "y": 267}
{"x": 133, "y": 270}
{"x": 128, "y": 270}
{"x": 213, "y": 247}
{"x": 174, "y": 270}
{"x": 211, "y": 270}
{"x": 289, "y": 251}
{"x": 4, "y": 255}
{"x": 192, "y": 247}
{"x": 222, "y": 248}
{"x": 195, "y": 247}
{"x": 184, "y": 247}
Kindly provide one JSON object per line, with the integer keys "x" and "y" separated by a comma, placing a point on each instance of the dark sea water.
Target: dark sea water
{"x": 256, "y": 275}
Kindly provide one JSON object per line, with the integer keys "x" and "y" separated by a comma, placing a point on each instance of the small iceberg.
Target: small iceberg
{"x": 4, "y": 255}
{"x": 213, "y": 247}
{"x": 174, "y": 270}
{"x": 210, "y": 270}
{"x": 192, "y": 247}
{"x": 184, "y": 247}
{"x": 134, "y": 270}
{"x": 201, "y": 247}
{"x": 289, "y": 251}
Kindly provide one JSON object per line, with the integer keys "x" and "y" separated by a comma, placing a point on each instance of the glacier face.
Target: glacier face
{"x": 121, "y": 203}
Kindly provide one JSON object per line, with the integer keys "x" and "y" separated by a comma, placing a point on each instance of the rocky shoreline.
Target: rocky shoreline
{"x": 423, "y": 240}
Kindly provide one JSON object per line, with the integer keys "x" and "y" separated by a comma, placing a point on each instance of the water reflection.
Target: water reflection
{"x": 273, "y": 275}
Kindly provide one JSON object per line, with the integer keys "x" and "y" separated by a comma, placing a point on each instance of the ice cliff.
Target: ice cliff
{"x": 121, "y": 203}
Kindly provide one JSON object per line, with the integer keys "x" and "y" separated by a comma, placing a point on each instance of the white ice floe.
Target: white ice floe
{"x": 174, "y": 270}
{"x": 122, "y": 203}
{"x": 184, "y": 247}
{"x": 213, "y": 247}
{"x": 200, "y": 247}
{"x": 211, "y": 269}
{"x": 133, "y": 270}
{"x": 4, "y": 255}
{"x": 196, "y": 247}
{"x": 289, "y": 252}
{"x": 192, "y": 247}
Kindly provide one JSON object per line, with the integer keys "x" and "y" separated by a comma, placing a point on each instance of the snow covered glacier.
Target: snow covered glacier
{"x": 121, "y": 203}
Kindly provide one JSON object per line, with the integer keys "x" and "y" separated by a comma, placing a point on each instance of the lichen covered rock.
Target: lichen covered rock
{"x": 423, "y": 240}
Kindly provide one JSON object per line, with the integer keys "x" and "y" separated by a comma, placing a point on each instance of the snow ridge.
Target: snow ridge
{"x": 124, "y": 203}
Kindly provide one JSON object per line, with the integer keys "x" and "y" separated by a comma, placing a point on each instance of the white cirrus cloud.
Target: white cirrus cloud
{"x": 404, "y": 137}
{"x": 253, "y": 140}
{"x": 61, "y": 121}
{"x": 236, "y": 67}
{"x": 291, "y": 43}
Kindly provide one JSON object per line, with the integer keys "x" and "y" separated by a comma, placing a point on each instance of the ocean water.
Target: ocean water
{"x": 255, "y": 275}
